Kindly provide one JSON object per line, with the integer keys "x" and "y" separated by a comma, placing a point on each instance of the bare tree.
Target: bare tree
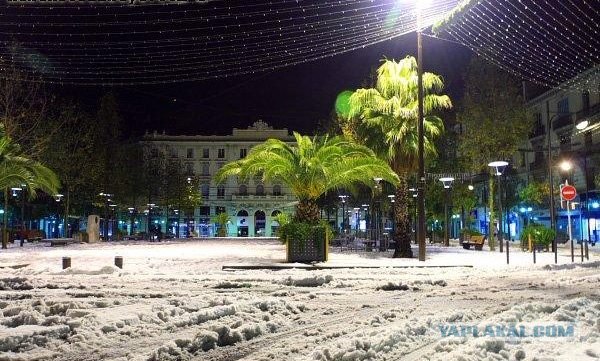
{"x": 23, "y": 105}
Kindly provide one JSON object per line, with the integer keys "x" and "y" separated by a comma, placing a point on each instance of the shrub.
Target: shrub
{"x": 468, "y": 232}
{"x": 540, "y": 234}
{"x": 301, "y": 232}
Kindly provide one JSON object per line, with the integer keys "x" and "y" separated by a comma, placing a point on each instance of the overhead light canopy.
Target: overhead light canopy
{"x": 447, "y": 181}
{"x": 498, "y": 166}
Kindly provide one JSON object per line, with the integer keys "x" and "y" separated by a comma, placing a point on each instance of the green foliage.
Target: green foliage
{"x": 468, "y": 232}
{"x": 540, "y": 234}
{"x": 295, "y": 232}
{"x": 452, "y": 16}
{"x": 463, "y": 198}
{"x": 301, "y": 232}
{"x": 597, "y": 181}
{"x": 222, "y": 219}
{"x": 282, "y": 218}
{"x": 16, "y": 169}
{"x": 310, "y": 167}
{"x": 385, "y": 118}
{"x": 494, "y": 118}
{"x": 535, "y": 193}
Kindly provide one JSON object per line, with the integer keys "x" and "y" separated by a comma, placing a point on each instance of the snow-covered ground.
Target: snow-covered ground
{"x": 173, "y": 301}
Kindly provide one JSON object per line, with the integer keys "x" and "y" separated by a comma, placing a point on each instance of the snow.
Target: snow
{"x": 173, "y": 301}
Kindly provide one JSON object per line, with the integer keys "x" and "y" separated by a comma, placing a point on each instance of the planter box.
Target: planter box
{"x": 307, "y": 251}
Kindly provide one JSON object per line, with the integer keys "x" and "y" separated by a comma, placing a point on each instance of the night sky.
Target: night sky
{"x": 296, "y": 97}
{"x": 73, "y": 43}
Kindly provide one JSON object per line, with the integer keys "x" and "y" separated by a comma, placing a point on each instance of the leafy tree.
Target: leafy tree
{"x": 74, "y": 157}
{"x": 16, "y": 170}
{"x": 385, "y": 118}
{"x": 310, "y": 168}
{"x": 494, "y": 121}
{"x": 24, "y": 104}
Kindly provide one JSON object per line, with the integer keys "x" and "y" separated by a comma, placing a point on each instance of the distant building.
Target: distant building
{"x": 251, "y": 204}
{"x": 571, "y": 119}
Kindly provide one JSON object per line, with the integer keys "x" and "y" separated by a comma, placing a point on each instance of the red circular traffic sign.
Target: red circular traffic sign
{"x": 568, "y": 193}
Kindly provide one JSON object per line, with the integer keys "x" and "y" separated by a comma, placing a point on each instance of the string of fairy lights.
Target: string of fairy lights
{"x": 546, "y": 42}
{"x": 123, "y": 45}
{"x": 543, "y": 41}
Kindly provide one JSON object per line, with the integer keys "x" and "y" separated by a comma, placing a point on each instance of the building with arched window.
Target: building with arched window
{"x": 251, "y": 204}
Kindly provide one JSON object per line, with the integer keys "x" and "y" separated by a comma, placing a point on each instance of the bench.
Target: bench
{"x": 476, "y": 241}
{"x": 59, "y": 241}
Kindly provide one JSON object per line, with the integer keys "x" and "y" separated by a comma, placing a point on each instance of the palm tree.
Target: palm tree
{"x": 17, "y": 170}
{"x": 310, "y": 168}
{"x": 222, "y": 219}
{"x": 385, "y": 118}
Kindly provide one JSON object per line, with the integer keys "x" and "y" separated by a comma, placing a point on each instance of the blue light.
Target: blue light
{"x": 529, "y": 209}
{"x": 522, "y": 209}
{"x": 595, "y": 205}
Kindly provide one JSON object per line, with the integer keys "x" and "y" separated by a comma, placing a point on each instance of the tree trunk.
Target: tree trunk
{"x": 402, "y": 220}
{"x": 491, "y": 226}
{"x": 66, "y": 219}
{"x": 5, "y": 221}
{"x": 307, "y": 211}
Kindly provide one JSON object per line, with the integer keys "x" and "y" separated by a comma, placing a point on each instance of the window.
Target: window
{"x": 205, "y": 211}
{"x": 260, "y": 190}
{"x": 205, "y": 153}
{"x": 585, "y": 100}
{"x": 154, "y": 153}
{"x": 538, "y": 120}
{"x": 205, "y": 169}
{"x": 276, "y": 190}
{"x": 173, "y": 153}
{"x": 205, "y": 189}
{"x": 221, "y": 153}
{"x": 190, "y": 153}
{"x": 219, "y": 210}
{"x": 189, "y": 168}
{"x": 243, "y": 190}
{"x": 563, "y": 106}
{"x": 220, "y": 192}
{"x": 243, "y": 153}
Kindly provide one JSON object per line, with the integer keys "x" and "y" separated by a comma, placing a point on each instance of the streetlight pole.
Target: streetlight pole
{"x": 447, "y": 182}
{"x": 421, "y": 148}
{"x": 343, "y": 198}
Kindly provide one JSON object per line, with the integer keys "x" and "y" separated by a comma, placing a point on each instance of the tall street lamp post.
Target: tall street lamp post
{"x": 499, "y": 167}
{"x": 106, "y": 197}
{"x": 22, "y": 192}
{"x": 447, "y": 182}
{"x": 421, "y": 138}
{"x": 344, "y": 215}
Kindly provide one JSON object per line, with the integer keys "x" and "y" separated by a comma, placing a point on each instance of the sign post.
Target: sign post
{"x": 568, "y": 193}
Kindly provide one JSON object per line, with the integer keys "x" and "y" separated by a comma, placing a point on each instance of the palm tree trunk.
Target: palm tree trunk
{"x": 402, "y": 220}
{"x": 307, "y": 211}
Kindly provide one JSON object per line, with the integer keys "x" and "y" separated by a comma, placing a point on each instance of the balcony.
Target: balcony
{"x": 538, "y": 164}
{"x": 586, "y": 113}
{"x": 562, "y": 121}
{"x": 250, "y": 196}
{"x": 538, "y": 131}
